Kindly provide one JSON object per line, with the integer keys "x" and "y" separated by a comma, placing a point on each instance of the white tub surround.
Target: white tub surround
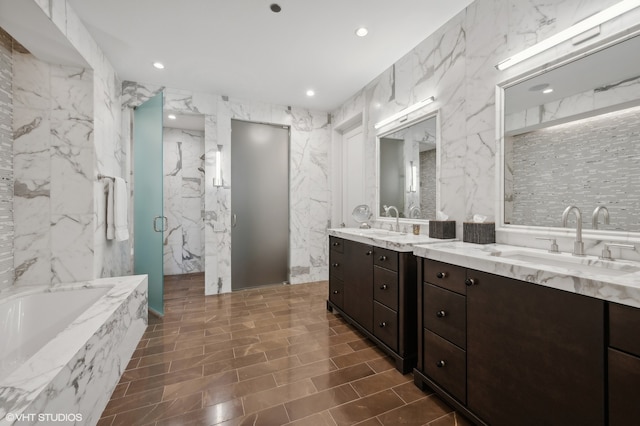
{"x": 614, "y": 281}
{"x": 76, "y": 371}
{"x": 397, "y": 241}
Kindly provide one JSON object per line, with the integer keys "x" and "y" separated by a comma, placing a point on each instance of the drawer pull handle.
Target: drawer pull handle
{"x": 440, "y": 364}
{"x": 335, "y": 292}
{"x": 336, "y": 244}
{"x": 335, "y": 265}
{"x": 441, "y": 275}
{"x": 383, "y": 258}
{"x": 470, "y": 282}
{"x": 382, "y": 324}
{"x": 383, "y": 287}
{"x": 369, "y": 253}
{"x": 441, "y": 314}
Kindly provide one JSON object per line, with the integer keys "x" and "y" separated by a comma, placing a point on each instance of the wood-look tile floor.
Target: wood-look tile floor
{"x": 268, "y": 356}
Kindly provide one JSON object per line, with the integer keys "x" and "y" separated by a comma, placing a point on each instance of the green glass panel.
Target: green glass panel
{"x": 148, "y": 211}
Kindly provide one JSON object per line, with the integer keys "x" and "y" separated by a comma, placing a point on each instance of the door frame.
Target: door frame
{"x": 339, "y": 134}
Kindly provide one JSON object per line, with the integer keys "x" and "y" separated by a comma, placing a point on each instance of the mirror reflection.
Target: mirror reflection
{"x": 407, "y": 175}
{"x": 572, "y": 137}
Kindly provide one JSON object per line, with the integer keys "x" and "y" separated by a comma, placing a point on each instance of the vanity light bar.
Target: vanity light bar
{"x": 571, "y": 32}
{"x": 406, "y": 111}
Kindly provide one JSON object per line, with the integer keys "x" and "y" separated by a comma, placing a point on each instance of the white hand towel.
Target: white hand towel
{"x": 120, "y": 211}
{"x": 111, "y": 229}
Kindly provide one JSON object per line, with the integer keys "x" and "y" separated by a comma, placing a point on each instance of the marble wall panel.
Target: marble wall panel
{"x": 53, "y": 155}
{"x": 183, "y": 201}
{"x": 456, "y": 64}
{"x": 6, "y": 161}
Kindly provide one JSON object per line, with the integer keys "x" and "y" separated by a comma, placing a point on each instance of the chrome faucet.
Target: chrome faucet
{"x": 386, "y": 211}
{"x": 414, "y": 212}
{"x": 578, "y": 245}
{"x": 596, "y": 213}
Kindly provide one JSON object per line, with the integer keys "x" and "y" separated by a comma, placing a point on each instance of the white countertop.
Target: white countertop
{"x": 398, "y": 241}
{"x": 615, "y": 281}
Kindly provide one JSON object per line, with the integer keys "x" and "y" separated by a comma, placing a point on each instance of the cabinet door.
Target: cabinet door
{"x": 534, "y": 354}
{"x": 624, "y": 382}
{"x": 358, "y": 283}
{"x": 336, "y": 291}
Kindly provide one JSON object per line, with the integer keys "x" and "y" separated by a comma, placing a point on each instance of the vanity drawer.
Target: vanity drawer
{"x": 446, "y": 364}
{"x": 385, "y": 325}
{"x": 445, "y": 313}
{"x": 336, "y": 264}
{"x": 385, "y": 258}
{"x": 336, "y": 292}
{"x": 624, "y": 323}
{"x": 385, "y": 287}
{"x": 444, "y": 275}
{"x": 336, "y": 244}
{"x": 624, "y": 380}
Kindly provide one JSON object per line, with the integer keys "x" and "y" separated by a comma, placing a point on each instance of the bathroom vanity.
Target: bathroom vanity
{"x": 507, "y": 341}
{"x": 372, "y": 285}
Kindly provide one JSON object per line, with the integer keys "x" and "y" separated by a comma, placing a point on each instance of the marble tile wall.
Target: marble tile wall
{"x": 456, "y": 64}
{"x": 53, "y": 162}
{"x": 183, "y": 201}
{"x": 428, "y": 184}
{"x": 107, "y": 155}
{"x": 6, "y": 160}
{"x": 309, "y": 179}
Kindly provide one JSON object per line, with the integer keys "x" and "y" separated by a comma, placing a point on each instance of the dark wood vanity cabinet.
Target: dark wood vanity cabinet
{"x": 624, "y": 365}
{"x": 375, "y": 290}
{"x": 507, "y": 352}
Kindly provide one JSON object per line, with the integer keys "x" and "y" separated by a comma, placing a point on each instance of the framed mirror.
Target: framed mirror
{"x": 408, "y": 170}
{"x": 571, "y": 136}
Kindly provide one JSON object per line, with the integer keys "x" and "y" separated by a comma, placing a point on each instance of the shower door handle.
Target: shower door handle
{"x": 234, "y": 220}
{"x": 164, "y": 223}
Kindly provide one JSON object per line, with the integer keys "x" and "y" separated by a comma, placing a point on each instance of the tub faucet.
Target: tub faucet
{"x": 386, "y": 211}
{"x": 578, "y": 245}
{"x": 596, "y": 213}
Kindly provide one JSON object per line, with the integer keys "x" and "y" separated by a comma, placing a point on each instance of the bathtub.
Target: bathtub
{"x": 29, "y": 321}
{"x": 63, "y": 348}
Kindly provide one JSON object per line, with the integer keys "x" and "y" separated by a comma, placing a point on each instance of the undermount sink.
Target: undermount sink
{"x": 588, "y": 264}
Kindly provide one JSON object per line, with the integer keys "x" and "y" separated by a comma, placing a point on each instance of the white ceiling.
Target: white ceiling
{"x": 242, "y": 49}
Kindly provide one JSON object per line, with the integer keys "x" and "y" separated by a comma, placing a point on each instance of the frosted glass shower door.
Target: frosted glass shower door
{"x": 259, "y": 204}
{"x": 149, "y": 220}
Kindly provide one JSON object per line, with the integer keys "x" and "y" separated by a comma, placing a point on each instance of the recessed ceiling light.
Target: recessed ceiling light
{"x": 275, "y": 8}
{"x": 310, "y": 92}
{"x": 547, "y": 90}
{"x": 158, "y": 65}
{"x": 171, "y": 117}
{"x": 362, "y": 31}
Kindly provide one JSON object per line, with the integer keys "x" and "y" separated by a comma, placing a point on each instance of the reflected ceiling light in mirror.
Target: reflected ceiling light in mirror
{"x": 571, "y": 32}
{"x": 217, "y": 179}
{"x": 413, "y": 173}
{"x": 171, "y": 117}
{"x": 405, "y": 112}
{"x": 311, "y": 93}
{"x": 158, "y": 65}
{"x": 362, "y": 31}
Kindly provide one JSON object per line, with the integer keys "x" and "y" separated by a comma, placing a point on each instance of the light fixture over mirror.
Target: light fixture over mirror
{"x": 408, "y": 169}
{"x": 579, "y": 145}
{"x": 405, "y": 112}
{"x": 571, "y": 32}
